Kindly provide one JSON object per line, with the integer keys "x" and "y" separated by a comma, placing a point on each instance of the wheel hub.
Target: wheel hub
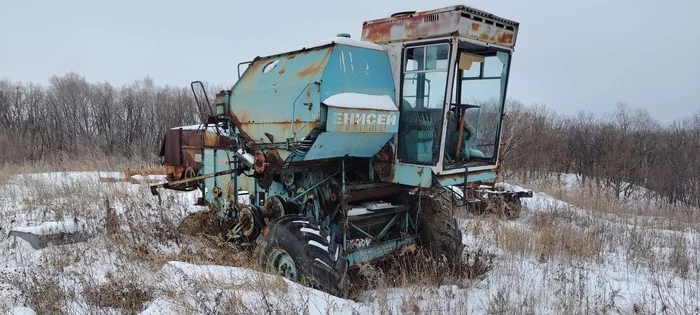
{"x": 284, "y": 264}
{"x": 246, "y": 221}
{"x": 274, "y": 208}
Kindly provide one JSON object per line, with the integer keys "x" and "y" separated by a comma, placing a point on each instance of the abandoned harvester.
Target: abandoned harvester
{"x": 345, "y": 147}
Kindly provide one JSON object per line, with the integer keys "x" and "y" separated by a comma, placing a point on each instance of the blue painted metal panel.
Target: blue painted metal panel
{"x": 276, "y": 91}
{"x": 216, "y": 160}
{"x": 362, "y": 120}
{"x": 412, "y": 175}
{"x": 208, "y": 167}
{"x": 281, "y": 95}
{"x": 339, "y": 144}
{"x": 355, "y": 132}
{"x": 358, "y": 70}
{"x": 369, "y": 253}
{"x": 458, "y": 179}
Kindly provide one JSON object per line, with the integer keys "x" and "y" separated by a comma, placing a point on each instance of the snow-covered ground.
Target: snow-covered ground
{"x": 557, "y": 258}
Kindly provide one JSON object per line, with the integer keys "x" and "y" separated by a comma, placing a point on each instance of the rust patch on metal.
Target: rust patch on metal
{"x": 438, "y": 23}
{"x": 180, "y": 148}
{"x": 173, "y": 172}
{"x": 255, "y": 66}
{"x": 260, "y": 163}
{"x": 379, "y": 32}
{"x": 239, "y": 124}
{"x": 382, "y": 163}
{"x": 501, "y": 155}
{"x": 420, "y": 172}
{"x": 310, "y": 70}
{"x": 274, "y": 161}
{"x": 279, "y": 75}
{"x": 421, "y": 24}
{"x": 385, "y": 171}
{"x": 505, "y": 38}
{"x": 279, "y": 129}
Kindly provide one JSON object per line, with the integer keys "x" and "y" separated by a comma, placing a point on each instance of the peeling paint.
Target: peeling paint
{"x": 458, "y": 20}
{"x": 352, "y": 69}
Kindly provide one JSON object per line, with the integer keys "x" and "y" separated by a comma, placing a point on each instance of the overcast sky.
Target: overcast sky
{"x": 570, "y": 55}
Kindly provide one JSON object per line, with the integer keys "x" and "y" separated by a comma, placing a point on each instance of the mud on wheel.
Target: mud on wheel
{"x": 505, "y": 206}
{"x": 300, "y": 250}
{"x": 437, "y": 228}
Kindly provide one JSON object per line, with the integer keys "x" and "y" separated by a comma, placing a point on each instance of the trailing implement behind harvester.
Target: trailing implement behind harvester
{"x": 345, "y": 151}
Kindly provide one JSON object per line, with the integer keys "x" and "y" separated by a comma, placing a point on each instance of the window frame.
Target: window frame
{"x": 459, "y": 78}
{"x": 450, "y": 72}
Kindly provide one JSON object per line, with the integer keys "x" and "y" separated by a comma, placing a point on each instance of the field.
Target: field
{"x": 573, "y": 250}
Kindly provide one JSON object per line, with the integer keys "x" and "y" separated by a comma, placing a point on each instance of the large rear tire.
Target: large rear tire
{"x": 437, "y": 228}
{"x": 301, "y": 250}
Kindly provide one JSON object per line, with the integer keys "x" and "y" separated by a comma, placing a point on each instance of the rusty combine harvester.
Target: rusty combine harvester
{"x": 344, "y": 151}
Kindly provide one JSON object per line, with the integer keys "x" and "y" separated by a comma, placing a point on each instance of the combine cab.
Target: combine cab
{"x": 352, "y": 149}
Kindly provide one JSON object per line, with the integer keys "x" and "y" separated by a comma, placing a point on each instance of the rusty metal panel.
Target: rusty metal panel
{"x": 485, "y": 32}
{"x": 182, "y": 148}
{"x": 170, "y": 150}
{"x": 411, "y": 27}
{"x": 451, "y": 21}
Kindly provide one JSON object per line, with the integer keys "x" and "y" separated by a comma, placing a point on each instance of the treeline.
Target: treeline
{"x": 626, "y": 145}
{"x": 76, "y": 118}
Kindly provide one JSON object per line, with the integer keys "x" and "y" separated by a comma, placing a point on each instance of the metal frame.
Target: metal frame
{"x": 495, "y": 160}
{"x": 379, "y": 249}
{"x": 454, "y": 40}
{"x": 450, "y": 70}
{"x": 369, "y": 253}
{"x": 459, "y": 80}
{"x": 448, "y": 99}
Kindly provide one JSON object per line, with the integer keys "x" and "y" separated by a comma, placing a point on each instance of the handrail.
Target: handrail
{"x": 196, "y": 100}
{"x": 239, "y": 67}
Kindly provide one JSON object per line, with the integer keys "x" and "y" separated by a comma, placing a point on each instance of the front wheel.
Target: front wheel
{"x": 301, "y": 250}
{"x": 438, "y": 230}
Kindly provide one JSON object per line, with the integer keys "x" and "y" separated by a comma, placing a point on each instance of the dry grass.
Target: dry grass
{"x": 124, "y": 295}
{"x": 418, "y": 277}
{"x": 642, "y": 206}
{"x": 136, "y": 238}
{"x": 42, "y": 292}
{"x": 65, "y": 163}
{"x": 549, "y": 242}
{"x": 133, "y": 238}
{"x": 204, "y": 251}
